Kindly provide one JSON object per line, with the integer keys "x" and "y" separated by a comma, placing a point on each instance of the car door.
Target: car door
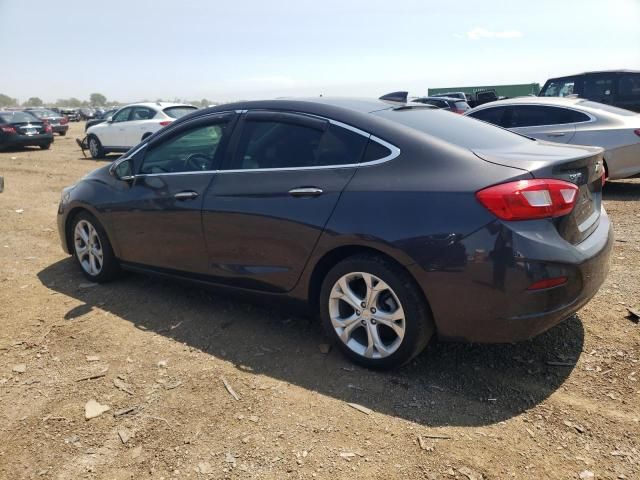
{"x": 599, "y": 87}
{"x": 554, "y": 124}
{"x": 628, "y": 91}
{"x": 265, "y": 211}
{"x": 111, "y": 134}
{"x": 140, "y": 122}
{"x": 156, "y": 220}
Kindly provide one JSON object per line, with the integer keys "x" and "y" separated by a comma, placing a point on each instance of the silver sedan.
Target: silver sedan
{"x": 575, "y": 121}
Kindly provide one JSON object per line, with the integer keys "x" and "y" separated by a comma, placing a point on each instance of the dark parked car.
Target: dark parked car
{"x": 393, "y": 221}
{"x": 99, "y": 118}
{"x": 620, "y": 88}
{"x": 59, "y": 124}
{"x": 446, "y": 103}
{"x": 23, "y": 129}
{"x": 474, "y": 99}
{"x": 72, "y": 114}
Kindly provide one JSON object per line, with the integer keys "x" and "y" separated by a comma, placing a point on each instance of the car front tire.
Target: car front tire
{"x": 92, "y": 249}
{"x": 374, "y": 312}
{"x": 46, "y": 146}
{"x": 95, "y": 147}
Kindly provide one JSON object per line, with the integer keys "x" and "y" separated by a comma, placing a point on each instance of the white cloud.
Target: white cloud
{"x": 478, "y": 33}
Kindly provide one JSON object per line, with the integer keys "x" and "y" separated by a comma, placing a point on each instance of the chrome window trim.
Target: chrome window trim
{"x": 395, "y": 151}
{"x": 592, "y": 118}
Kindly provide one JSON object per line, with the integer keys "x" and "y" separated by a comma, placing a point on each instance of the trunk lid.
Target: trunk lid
{"x": 579, "y": 165}
{"x": 29, "y": 128}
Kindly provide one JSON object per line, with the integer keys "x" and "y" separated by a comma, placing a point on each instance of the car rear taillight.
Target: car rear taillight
{"x": 548, "y": 283}
{"x": 529, "y": 199}
{"x": 637, "y": 131}
{"x": 164, "y": 123}
{"x": 64, "y": 121}
{"x": 7, "y": 129}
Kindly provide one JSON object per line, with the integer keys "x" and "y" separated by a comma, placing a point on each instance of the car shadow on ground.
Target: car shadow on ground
{"x": 449, "y": 384}
{"x": 624, "y": 190}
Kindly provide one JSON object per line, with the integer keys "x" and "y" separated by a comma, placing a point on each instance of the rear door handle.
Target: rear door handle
{"x": 186, "y": 195}
{"x": 305, "y": 192}
{"x": 556, "y": 134}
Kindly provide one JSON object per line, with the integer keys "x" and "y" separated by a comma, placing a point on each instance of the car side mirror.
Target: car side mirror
{"x": 123, "y": 170}
{"x": 109, "y": 119}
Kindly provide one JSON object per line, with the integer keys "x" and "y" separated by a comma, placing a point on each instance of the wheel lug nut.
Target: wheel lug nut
{"x": 364, "y": 322}
{"x": 363, "y": 305}
{"x": 373, "y": 321}
{"x": 358, "y": 312}
{"x": 373, "y": 310}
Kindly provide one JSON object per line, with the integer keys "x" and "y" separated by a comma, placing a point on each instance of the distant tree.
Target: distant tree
{"x": 6, "y": 101}
{"x": 98, "y": 100}
{"x": 33, "y": 102}
{"x": 68, "y": 102}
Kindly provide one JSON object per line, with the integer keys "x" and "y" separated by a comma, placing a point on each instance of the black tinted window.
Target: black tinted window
{"x": 629, "y": 85}
{"x": 177, "y": 112}
{"x": 273, "y": 144}
{"x": 192, "y": 150}
{"x": 559, "y": 88}
{"x": 490, "y": 115}
{"x": 535, "y": 115}
{"x": 598, "y": 87}
{"x": 375, "y": 151}
{"x": 142, "y": 113}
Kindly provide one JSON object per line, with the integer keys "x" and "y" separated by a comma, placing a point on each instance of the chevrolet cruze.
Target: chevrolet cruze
{"x": 393, "y": 221}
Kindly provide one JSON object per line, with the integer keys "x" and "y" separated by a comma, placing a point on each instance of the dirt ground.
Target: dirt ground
{"x": 560, "y": 406}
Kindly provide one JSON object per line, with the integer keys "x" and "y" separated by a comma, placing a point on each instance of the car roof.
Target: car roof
{"x": 157, "y": 105}
{"x": 560, "y": 101}
{"x": 593, "y": 72}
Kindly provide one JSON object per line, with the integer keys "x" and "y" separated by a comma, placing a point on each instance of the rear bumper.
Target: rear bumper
{"x": 59, "y": 128}
{"x": 27, "y": 140}
{"x": 484, "y": 298}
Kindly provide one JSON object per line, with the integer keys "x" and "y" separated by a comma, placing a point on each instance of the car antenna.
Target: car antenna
{"x": 398, "y": 97}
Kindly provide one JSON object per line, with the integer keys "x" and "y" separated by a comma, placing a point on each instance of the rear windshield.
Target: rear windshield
{"x": 455, "y": 129}
{"x": 607, "y": 108}
{"x": 43, "y": 113}
{"x": 18, "y": 117}
{"x": 177, "y": 112}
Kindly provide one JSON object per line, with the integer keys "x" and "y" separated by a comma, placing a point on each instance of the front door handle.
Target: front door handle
{"x": 556, "y": 134}
{"x": 305, "y": 192}
{"x": 186, "y": 195}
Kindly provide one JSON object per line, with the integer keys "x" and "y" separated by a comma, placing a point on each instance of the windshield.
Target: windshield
{"x": 177, "y": 112}
{"x": 455, "y": 129}
{"x": 43, "y": 113}
{"x": 558, "y": 88}
{"x": 18, "y": 117}
{"x": 607, "y": 108}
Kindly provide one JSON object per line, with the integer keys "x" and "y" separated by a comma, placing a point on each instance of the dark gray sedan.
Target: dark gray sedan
{"x": 59, "y": 124}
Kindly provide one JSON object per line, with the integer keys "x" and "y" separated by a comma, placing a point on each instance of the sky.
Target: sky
{"x": 249, "y": 49}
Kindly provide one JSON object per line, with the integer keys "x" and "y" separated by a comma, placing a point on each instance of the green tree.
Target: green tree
{"x": 68, "y": 102}
{"x": 98, "y": 100}
{"x": 7, "y": 101}
{"x": 33, "y": 102}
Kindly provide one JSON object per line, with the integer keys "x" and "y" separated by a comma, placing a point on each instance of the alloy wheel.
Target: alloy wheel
{"x": 367, "y": 315}
{"x": 93, "y": 147}
{"x": 88, "y": 247}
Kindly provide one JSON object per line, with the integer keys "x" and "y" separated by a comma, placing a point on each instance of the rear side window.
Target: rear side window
{"x": 455, "y": 129}
{"x": 629, "y": 86}
{"x": 142, "y": 113}
{"x": 535, "y": 115}
{"x": 274, "y": 144}
{"x": 598, "y": 87}
{"x": 177, "y": 112}
{"x": 491, "y": 115}
{"x": 375, "y": 151}
{"x": 607, "y": 108}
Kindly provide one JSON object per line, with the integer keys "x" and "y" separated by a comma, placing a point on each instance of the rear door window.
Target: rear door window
{"x": 538, "y": 115}
{"x": 268, "y": 144}
{"x": 495, "y": 115}
{"x": 142, "y": 113}
{"x": 598, "y": 87}
{"x": 629, "y": 86}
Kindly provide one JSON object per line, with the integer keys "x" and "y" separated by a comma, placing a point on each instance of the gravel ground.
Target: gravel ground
{"x": 559, "y": 406}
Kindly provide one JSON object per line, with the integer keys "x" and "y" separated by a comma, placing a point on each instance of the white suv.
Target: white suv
{"x": 132, "y": 124}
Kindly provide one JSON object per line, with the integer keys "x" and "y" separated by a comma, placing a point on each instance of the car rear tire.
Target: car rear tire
{"x": 45, "y": 146}
{"x": 95, "y": 147}
{"x": 92, "y": 249}
{"x": 374, "y": 312}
